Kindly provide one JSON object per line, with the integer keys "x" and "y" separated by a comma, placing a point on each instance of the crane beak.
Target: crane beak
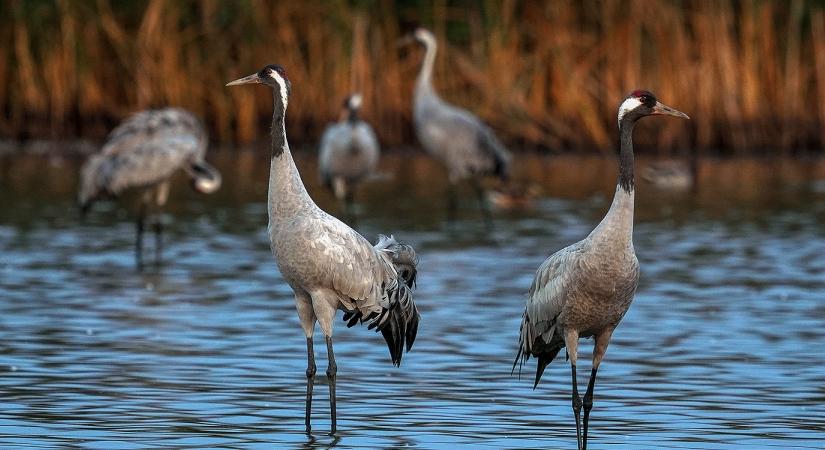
{"x": 663, "y": 109}
{"x": 252, "y": 79}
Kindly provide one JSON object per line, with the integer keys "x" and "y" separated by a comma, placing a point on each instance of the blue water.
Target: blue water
{"x": 723, "y": 347}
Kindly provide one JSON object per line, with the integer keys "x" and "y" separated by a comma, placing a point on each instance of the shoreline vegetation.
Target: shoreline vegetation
{"x": 751, "y": 74}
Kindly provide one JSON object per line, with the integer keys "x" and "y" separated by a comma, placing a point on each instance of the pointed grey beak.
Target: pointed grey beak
{"x": 660, "y": 108}
{"x": 252, "y": 79}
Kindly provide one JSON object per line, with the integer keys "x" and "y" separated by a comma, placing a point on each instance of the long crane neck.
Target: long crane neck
{"x": 617, "y": 226}
{"x": 425, "y": 75}
{"x": 626, "y": 180}
{"x": 287, "y": 194}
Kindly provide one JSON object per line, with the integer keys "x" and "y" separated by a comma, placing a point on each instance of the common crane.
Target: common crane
{"x": 143, "y": 152}
{"x": 460, "y": 140}
{"x": 348, "y": 154}
{"x": 585, "y": 289}
{"x": 328, "y": 265}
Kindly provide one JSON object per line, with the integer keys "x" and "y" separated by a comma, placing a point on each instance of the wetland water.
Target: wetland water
{"x": 723, "y": 347}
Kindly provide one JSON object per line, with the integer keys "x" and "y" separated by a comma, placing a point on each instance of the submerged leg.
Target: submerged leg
{"x": 452, "y": 202}
{"x": 588, "y": 405}
{"x": 332, "y": 371}
{"x": 139, "y": 237}
{"x": 157, "y": 227}
{"x": 324, "y": 305}
{"x": 349, "y": 206}
{"x": 310, "y": 383}
{"x": 577, "y": 407}
{"x": 482, "y": 203}
{"x": 161, "y": 195}
{"x": 571, "y": 341}
{"x": 600, "y": 347}
{"x": 306, "y": 316}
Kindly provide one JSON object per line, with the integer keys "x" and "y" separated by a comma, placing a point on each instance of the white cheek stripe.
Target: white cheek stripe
{"x": 627, "y": 106}
{"x": 282, "y": 84}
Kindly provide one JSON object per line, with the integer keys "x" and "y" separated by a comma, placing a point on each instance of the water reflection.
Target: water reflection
{"x": 722, "y": 347}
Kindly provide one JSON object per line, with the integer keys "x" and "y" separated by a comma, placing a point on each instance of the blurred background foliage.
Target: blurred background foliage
{"x": 545, "y": 75}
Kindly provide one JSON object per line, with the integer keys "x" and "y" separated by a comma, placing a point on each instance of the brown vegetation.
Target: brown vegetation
{"x": 751, "y": 74}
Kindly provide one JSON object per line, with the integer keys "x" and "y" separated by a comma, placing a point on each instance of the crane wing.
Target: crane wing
{"x": 374, "y": 283}
{"x": 145, "y": 149}
{"x": 554, "y": 280}
{"x": 467, "y": 145}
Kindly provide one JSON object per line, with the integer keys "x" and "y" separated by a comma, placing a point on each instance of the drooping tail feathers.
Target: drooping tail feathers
{"x": 398, "y": 321}
{"x": 527, "y": 347}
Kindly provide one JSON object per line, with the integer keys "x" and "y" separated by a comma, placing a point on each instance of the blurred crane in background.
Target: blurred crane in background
{"x": 460, "y": 140}
{"x": 143, "y": 153}
{"x": 348, "y": 154}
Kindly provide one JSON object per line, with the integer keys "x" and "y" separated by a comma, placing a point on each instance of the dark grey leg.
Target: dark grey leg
{"x": 310, "y": 382}
{"x": 588, "y": 405}
{"x": 157, "y": 227}
{"x": 332, "y": 370}
{"x": 452, "y": 202}
{"x": 482, "y": 203}
{"x": 139, "y": 239}
{"x": 577, "y": 407}
{"x": 349, "y": 206}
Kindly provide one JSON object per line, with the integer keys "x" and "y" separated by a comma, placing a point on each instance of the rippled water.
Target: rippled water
{"x": 724, "y": 345}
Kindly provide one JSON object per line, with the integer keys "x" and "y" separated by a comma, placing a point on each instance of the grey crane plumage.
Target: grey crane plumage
{"x": 348, "y": 153}
{"x": 585, "y": 289}
{"x": 143, "y": 152}
{"x": 328, "y": 265}
{"x": 460, "y": 140}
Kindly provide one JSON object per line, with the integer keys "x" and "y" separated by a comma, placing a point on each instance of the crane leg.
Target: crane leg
{"x": 452, "y": 202}
{"x": 588, "y": 405}
{"x": 310, "y": 383}
{"x": 332, "y": 370}
{"x": 602, "y": 341}
{"x": 577, "y": 408}
{"x": 157, "y": 227}
{"x": 482, "y": 203}
{"x": 349, "y": 207}
{"x": 139, "y": 234}
{"x": 161, "y": 195}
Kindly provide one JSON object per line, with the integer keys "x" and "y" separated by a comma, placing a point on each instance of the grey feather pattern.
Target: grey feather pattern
{"x": 144, "y": 150}
{"x": 451, "y": 134}
{"x": 588, "y": 285}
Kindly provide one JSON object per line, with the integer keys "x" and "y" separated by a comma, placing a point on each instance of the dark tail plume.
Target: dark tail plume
{"x": 399, "y": 322}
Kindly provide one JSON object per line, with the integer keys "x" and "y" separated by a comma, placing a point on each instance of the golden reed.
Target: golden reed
{"x": 751, "y": 74}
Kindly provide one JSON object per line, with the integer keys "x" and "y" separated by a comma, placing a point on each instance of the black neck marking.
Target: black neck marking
{"x": 626, "y": 181}
{"x": 352, "y": 115}
{"x": 278, "y": 130}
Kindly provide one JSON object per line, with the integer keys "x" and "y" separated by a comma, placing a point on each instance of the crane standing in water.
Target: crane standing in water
{"x": 348, "y": 154}
{"x": 144, "y": 152}
{"x": 585, "y": 289}
{"x": 328, "y": 265}
{"x": 461, "y": 141}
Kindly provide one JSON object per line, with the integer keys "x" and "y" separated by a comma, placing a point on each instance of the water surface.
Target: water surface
{"x": 723, "y": 346}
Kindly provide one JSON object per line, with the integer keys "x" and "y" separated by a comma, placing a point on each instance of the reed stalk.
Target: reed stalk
{"x": 544, "y": 75}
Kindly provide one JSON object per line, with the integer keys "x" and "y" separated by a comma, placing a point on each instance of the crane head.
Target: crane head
{"x": 351, "y": 106}
{"x": 424, "y": 36}
{"x": 271, "y": 75}
{"x": 642, "y": 103}
{"x": 353, "y": 102}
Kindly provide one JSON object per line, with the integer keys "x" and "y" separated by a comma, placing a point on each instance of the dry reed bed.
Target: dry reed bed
{"x": 751, "y": 74}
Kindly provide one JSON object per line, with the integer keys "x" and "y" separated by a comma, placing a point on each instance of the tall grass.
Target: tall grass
{"x": 751, "y": 74}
